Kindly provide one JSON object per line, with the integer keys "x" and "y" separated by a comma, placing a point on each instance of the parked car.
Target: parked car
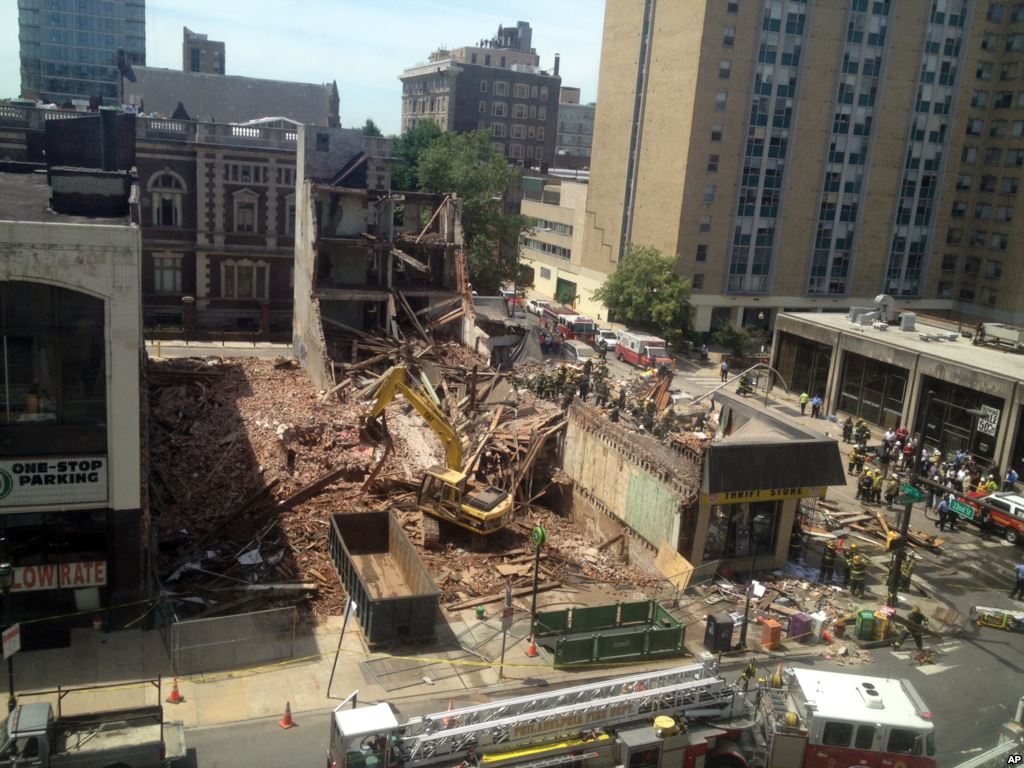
{"x": 576, "y": 351}
{"x": 534, "y": 306}
{"x": 609, "y": 335}
{"x": 1006, "y": 513}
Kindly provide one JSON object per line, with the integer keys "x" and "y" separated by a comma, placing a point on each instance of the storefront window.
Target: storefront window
{"x": 803, "y": 364}
{"x": 735, "y": 529}
{"x": 950, "y": 427}
{"x": 52, "y": 371}
{"x": 872, "y": 390}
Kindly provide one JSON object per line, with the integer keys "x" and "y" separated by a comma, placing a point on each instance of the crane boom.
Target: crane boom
{"x": 395, "y": 380}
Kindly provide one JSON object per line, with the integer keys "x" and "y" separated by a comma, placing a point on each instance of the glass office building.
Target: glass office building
{"x": 69, "y": 47}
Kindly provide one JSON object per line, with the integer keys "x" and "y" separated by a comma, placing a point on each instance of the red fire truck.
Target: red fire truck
{"x": 567, "y": 324}
{"x": 675, "y": 718}
{"x": 642, "y": 349}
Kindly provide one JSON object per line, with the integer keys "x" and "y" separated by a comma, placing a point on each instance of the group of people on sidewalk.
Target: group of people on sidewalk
{"x": 816, "y": 403}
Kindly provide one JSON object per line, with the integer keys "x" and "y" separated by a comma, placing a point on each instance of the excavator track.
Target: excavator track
{"x": 431, "y": 531}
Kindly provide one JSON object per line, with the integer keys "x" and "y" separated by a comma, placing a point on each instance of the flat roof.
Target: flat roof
{"x": 375, "y": 719}
{"x": 1003, "y": 363}
{"x": 26, "y": 197}
{"x": 845, "y": 696}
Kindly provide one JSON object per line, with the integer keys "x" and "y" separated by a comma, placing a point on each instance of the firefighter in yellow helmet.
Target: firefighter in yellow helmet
{"x": 858, "y": 572}
{"x": 916, "y": 622}
{"x": 828, "y": 563}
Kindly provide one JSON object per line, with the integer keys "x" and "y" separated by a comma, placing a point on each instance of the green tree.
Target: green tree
{"x": 370, "y": 128}
{"x": 468, "y": 165}
{"x": 647, "y": 292}
{"x": 407, "y": 149}
{"x": 737, "y": 340}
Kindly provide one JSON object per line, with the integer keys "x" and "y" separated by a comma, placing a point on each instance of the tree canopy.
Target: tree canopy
{"x": 468, "y": 165}
{"x": 407, "y": 149}
{"x": 370, "y": 128}
{"x": 647, "y": 292}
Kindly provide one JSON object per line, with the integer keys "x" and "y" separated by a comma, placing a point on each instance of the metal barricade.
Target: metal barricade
{"x": 231, "y": 642}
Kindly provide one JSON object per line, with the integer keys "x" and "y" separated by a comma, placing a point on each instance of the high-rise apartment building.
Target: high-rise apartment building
{"x": 575, "y": 133}
{"x": 69, "y": 47}
{"x": 201, "y": 54}
{"x": 804, "y": 154}
{"x": 497, "y": 85}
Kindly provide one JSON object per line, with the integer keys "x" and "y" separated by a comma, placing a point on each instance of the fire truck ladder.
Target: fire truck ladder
{"x": 623, "y": 700}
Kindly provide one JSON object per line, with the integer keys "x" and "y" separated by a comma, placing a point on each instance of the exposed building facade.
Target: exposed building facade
{"x": 812, "y": 155}
{"x": 553, "y": 248}
{"x": 201, "y": 54}
{"x": 69, "y": 48}
{"x": 575, "y": 131}
{"x": 73, "y": 510}
{"x": 363, "y": 257}
{"x": 496, "y": 86}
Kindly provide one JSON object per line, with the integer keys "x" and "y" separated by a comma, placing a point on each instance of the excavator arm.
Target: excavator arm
{"x": 399, "y": 380}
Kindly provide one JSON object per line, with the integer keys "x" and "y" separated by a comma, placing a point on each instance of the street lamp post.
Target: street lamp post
{"x": 755, "y": 531}
{"x": 6, "y": 581}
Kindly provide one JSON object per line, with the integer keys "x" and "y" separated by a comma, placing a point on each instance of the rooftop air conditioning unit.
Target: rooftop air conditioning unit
{"x": 907, "y": 321}
{"x": 886, "y": 307}
{"x": 881, "y": 326}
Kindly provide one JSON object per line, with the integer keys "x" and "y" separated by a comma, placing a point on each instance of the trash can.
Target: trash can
{"x": 799, "y": 628}
{"x": 718, "y": 632}
{"x": 865, "y": 625}
{"x": 881, "y": 630}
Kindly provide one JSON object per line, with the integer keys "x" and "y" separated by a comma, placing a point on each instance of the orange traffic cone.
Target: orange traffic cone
{"x": 175, "y": 697}
{"x": 532, "y": 650}
{"x": 446, "y": 721}
{"x": 286, "y": 721}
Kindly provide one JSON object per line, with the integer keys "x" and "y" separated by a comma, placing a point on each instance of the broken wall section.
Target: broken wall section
{"x": 625, "y": 479}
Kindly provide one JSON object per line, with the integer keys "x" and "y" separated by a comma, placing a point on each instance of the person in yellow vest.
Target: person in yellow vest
{"x": 858, "y": 573}
{"x": 804, "y": 400}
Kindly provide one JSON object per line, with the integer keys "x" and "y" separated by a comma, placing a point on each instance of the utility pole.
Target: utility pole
{"x": 900, "y": 556}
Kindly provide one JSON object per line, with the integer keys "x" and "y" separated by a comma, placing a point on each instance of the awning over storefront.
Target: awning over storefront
{"x": 763, "y": 459}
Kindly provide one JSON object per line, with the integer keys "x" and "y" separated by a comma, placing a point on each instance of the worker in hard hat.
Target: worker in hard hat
{"x": 828, "y": 563}
{"x": 858, "y": 572}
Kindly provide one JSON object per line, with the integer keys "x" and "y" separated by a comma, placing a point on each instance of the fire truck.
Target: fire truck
{"x": 685, "y": 717}
{"x": 642, "y": 349}
{"x": 567, "y": 324}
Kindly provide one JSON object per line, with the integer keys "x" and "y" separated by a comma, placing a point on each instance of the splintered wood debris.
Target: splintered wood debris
{"x": 248, "y": 462}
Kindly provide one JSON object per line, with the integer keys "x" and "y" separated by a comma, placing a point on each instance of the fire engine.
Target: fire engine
{"x": 642, "y": 349}
{"x": 684, "y": 717}
{"x": 567, "y": 324}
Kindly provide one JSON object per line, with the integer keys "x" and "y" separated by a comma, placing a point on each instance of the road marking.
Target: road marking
{"x": 934, "y": 669}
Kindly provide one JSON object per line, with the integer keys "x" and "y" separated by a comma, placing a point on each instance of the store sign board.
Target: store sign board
{"x": 12, "y": 640}
{"x": 52, "y": 481}
{"x": 32, "y": 578}
{"x": 772, "y": 494}
{"x": 988, "y": 422}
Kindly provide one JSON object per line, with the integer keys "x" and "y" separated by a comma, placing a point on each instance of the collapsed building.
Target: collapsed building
{"x": 365, "y": 256}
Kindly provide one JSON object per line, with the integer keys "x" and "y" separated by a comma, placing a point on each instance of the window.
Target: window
{"x": 987, "y": 296}
{"x": 993, "y": 269}
{"x": 529, "y": 151}
{"x": 542, "y": 113}
{"x": 498, "y": 131}
{"x": 945, "y": 289}
{"x": 1014, "y": 157}
{"x": 1003, "y": 100}
{"x": 166, "y": 197}
{"x": 712, "y": 163}
{"x": 999, "y": 241}
{"x": 702, "y": 252}
{"x": 289, "y": 215}
{"x": 323, "y": 144}
{"x": 716, "y": 132}
{"x": 949, "y": 262}
{"x": 729, "y": 37}
{"x": 1017, "y": 14}
{"x": 837, "y": 734}
{"x": 244, "y": 279}
{"x": 533, "y": 91}
{"x": 736, "y": 529}
{"x": 518, "y": 131}
{"x": 983, "y": 211}
{"x": 984, "y": 70}
{"x": 1004, "y": 213}
{"x": 978, "y": 237}
{"x": 724, "y": 69}
{"x": 483, "y": 86}
{"x": 1015, "y": 42}
{"x": 705, "y": 223}
{"x": 501, "y": 88}
{"x": 545, "y": 273}
{"x": 543, "y": 93}
{"x": 515, "y": 151}
{"x": 969, "y": 155}
{"x": 974, "y": 127}
{"x": 697, "y": 282}
{"x": 980, "y": 99}
{"x": 993, "y": 156}
{"x": 1008, "y": 185}
{"x": 246, "y": 209}
{"x": 972, "y": 265}
{"x": 721, "y": 98}
{"x": 963, "y": 181}
{"x": 732, "y": 7}
{"x": 519, "y": 111}
{"x": 483, "y": 107}
{"x": 521, "y": 91}
{"x": 865, "y": 737}
{"x": 167, "y": 274}
{"x": 709, "y": 193}
{"x": 959, "y": 209}
{"x": 954, "y": 235}
{"x": 995, "y": 12}
{"x": 499, "y": 109}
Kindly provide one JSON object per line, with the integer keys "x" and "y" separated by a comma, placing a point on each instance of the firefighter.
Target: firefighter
{"x": 916, "y": 622}
{"x": 863, "y": 432}
{"x": 828, "y": 563}
{"x": 876, "y": 488}
{"x": 848, "y": 430}
{"x": 560, "y": 378}
{"x": 749, "y": 673}
{"x": 851, "y": 552}
{"x": 852, "y": 462}
{"x": 796, "y": 543}
{"x": 601, "y": 392}
{"x": 864, "y": 487}
{"x": 858, "y": 572}
{"x": 891, "y": 490}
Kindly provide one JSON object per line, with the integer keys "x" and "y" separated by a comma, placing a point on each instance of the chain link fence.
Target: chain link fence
{"x": 231, "y": 642}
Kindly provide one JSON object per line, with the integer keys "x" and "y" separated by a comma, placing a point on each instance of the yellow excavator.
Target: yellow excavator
{"x": 445, "y": 493}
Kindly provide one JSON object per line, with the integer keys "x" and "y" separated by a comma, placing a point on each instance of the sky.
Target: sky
{"x": 363, "y": 45}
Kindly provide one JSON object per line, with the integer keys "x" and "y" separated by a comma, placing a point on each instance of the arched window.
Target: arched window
{"x": 167, "y": 197}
